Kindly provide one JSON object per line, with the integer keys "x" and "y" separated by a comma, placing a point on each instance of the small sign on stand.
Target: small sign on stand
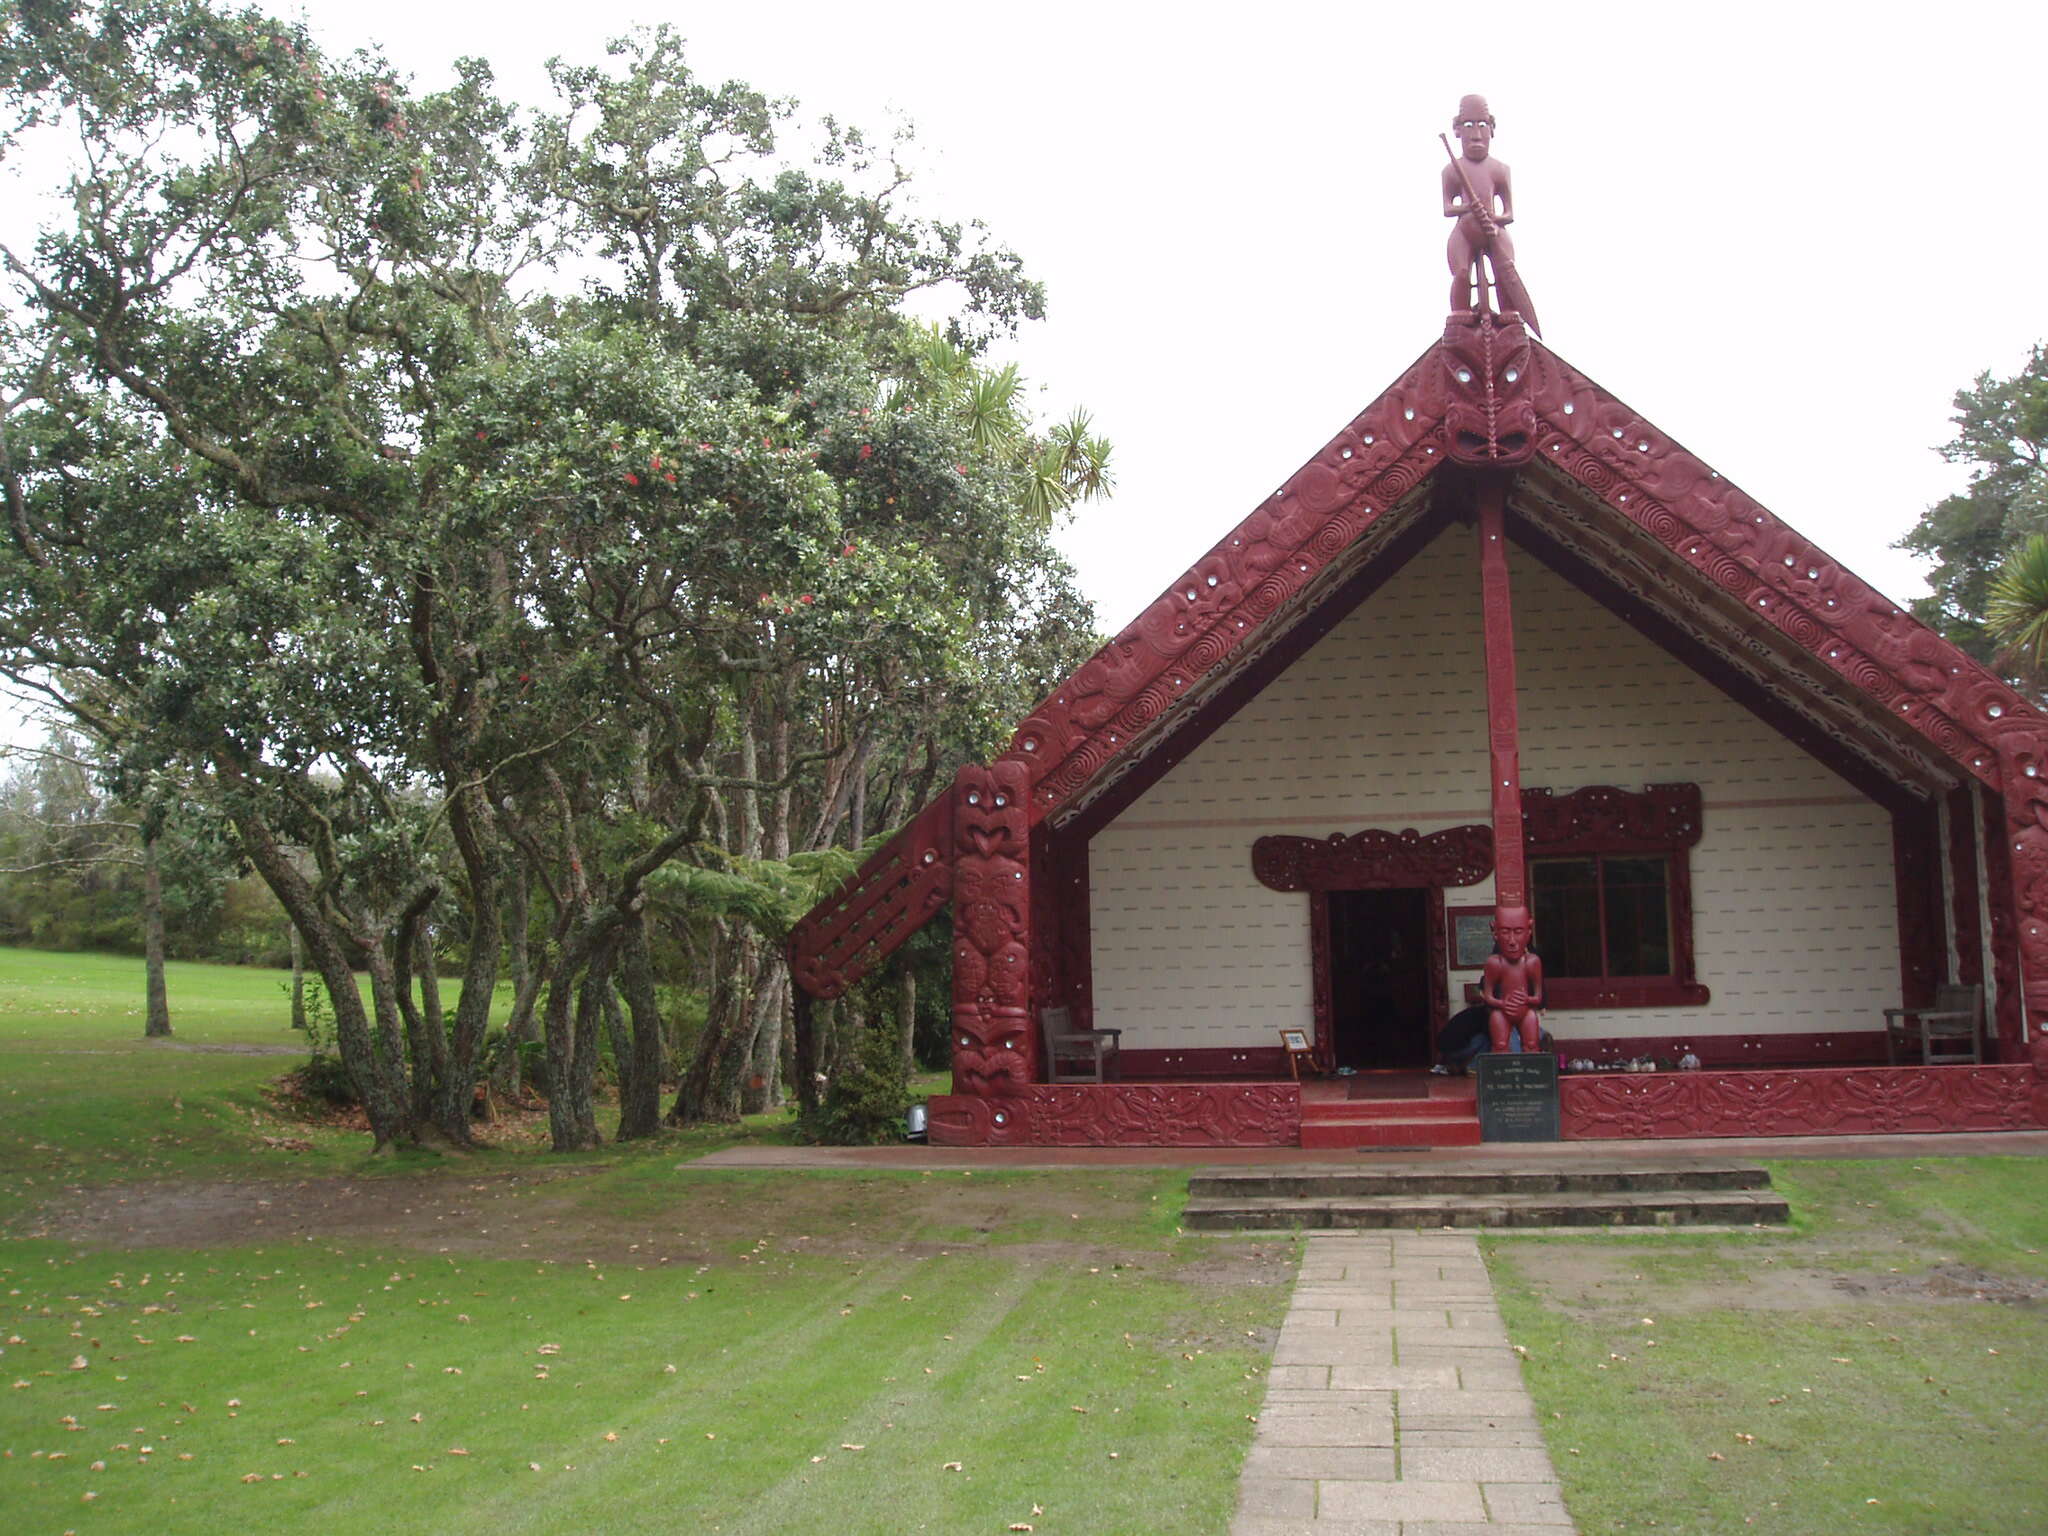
{"x": 1301, "y": 1056}
{"x": 1517, "y": 1096}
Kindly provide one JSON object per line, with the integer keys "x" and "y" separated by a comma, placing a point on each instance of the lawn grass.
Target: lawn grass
{"x": 1875, "y": 1369}
{"x": 837, "y": 1339}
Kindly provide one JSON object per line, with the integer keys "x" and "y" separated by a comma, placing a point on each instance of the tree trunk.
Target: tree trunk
{"x": 705, "y": 1092}
{"x": 640, "y": 1068}
{"x": 476, "y": 836}
{"x": 519, "y": 965}
{"x": 157, "y": 1021}
{"x": 380, "y": 1082}
{"x": 804, "y": 1029}
{"x": 761, "y": 1067}
{"x": 298, "y": 977}
{"x": 573, "y": 1019}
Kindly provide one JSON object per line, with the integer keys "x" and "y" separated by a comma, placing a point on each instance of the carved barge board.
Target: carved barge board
{"x": 1123, "y": 1115}
{"x": 1865, "y": 1101}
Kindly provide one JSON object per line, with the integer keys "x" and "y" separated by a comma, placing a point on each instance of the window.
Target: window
{"x": 1604, "y": 916}
{"x": 1611, "y": 894}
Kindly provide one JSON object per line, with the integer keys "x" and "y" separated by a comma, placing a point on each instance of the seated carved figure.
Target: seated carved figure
{"x": 1511, "y": 986}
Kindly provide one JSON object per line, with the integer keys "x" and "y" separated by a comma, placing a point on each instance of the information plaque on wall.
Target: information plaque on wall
{"x": 1517, "y": 1096}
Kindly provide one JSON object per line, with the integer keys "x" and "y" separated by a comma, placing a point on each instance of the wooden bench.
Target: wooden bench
{"x": 1956, "y": 1019}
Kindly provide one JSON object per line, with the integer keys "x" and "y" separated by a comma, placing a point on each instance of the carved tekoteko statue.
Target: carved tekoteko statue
{"x": 1511, "y": 986}
{"x": 1479, "y": 194}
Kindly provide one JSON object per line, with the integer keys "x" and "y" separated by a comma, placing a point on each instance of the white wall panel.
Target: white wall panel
{"x": 1383, "y": 724}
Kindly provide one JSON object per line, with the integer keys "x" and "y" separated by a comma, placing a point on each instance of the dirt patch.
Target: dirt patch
{"x": 1948, "y": 1282}
{"x": 561, "y": 1215}
{"x": 1589, "y": 1284}
{"x": 226, "y": 1050}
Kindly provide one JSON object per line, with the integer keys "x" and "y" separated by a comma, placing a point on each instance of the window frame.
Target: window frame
{"x": 1601, "y": 821}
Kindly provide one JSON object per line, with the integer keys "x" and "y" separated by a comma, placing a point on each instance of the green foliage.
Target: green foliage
{"x": 2002, "y": 435}
{"x": 868, "y": 1095}
{"x": 71, "y": 870}
{"x": 2017, "y": 614}
{"x": 428, "y": 484}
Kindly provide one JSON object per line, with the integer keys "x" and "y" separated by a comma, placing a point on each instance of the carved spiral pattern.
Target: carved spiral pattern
{"x": 1800, "y": 625}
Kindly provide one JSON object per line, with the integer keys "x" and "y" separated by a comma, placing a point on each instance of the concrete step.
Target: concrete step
{"x": 1615, "y": 1208}
{"x": 1351, "y": 1182}
{"x": 1419, "y": 1130}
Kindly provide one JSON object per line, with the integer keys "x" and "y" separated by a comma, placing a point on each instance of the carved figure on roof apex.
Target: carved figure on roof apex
{"x": 1479, "y": 194}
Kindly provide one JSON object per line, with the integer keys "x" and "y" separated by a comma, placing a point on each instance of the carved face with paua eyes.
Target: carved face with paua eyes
{"x": 1489, "y": 415}
{"x": 991, "y": 1053}
{"x": 1474, "y": 127}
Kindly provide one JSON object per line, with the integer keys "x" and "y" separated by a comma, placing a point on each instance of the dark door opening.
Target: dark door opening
{"x": 1379, "y": 979}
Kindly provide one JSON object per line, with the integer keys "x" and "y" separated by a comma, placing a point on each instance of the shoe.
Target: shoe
{"x": 1439, "y": 1070}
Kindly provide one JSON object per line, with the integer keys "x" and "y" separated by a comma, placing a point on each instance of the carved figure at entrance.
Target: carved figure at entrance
{"x": 1479, "y": 194}
{"x": 1511, "y": 986}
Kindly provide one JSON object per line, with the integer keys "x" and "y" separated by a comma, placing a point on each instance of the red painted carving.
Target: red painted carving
{"x": 1510, "y": 872}
{"x": 888, "y": 899}
{"x": 1488, "y": 418}
{"x": 1479, "y": 193}
{"x": 1206, "y": 616}
{"x": 1511, "y": 982}
{"x": 1924, "y": 685}
{"x": 1123, "y": 1115}
{"x": 1252, "y": 673}
{"x": 1373, "y": 860}
{"x": 1850, "y": 756}
{"x": 1659, "y": 818}
{"x": 995, "y": 1047}
{"x": 1854, "y": 1101}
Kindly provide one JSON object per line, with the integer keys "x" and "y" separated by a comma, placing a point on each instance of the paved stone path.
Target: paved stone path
{"x": 1395, "y": 1406}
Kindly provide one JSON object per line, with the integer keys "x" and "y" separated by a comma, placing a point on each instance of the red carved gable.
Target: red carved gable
{"x": 1701, "y": 539}
{"x": 1211, "y": 615}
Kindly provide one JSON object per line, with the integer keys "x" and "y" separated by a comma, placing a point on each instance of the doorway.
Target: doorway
{"x": 1379, "y": 979}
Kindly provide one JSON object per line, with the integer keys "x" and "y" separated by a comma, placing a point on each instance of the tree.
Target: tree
{"x": 2002, "y": 435}
{"x": 444, "y": 489}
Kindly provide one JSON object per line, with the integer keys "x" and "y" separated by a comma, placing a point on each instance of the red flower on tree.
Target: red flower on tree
{"x": 631, "y": 478}
{"x": 867, "y": 450}
{"x": 807, "y": 599}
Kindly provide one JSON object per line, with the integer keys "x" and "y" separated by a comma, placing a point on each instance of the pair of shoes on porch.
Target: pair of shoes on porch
{"x": 1439, "y": 1070}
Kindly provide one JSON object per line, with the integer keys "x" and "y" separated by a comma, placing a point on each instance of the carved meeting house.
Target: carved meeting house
{"x": 1499, "y": 629}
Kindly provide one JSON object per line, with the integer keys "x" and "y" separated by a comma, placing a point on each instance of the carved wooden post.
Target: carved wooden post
{"x": 995, "y": 1047}
{"x": 1510, "y": 874}
{"x": 2024, "y": 850}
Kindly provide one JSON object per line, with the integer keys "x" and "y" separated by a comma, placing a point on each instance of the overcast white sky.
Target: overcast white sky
{"x": 1786, "y": 234}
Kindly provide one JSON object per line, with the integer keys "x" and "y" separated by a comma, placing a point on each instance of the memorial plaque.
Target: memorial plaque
{"x": 1517, "y": 1096}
